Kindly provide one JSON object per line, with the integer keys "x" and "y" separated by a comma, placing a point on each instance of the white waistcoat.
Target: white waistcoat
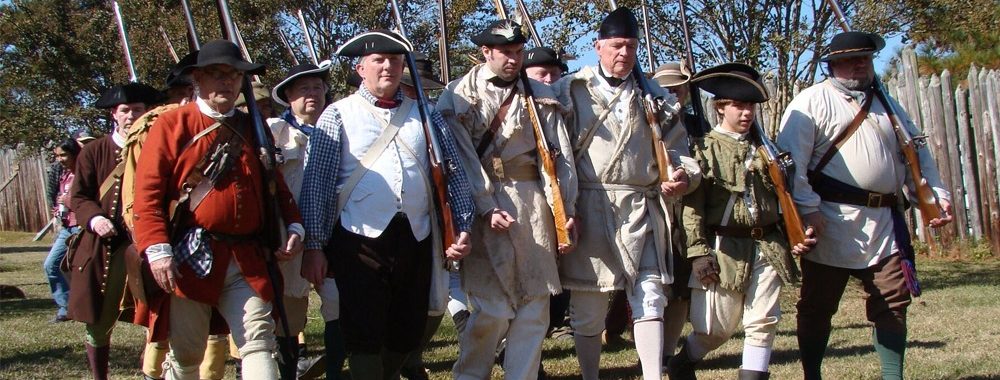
{"x": 393, "y": 184}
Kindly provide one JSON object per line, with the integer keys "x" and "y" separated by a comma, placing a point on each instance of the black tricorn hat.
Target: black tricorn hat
{"x": 500, "y": 32}
{"x": 133, "y": 92}
{"x": 378, "y": 41}
{"x": 223, "y": 52}
{"x": 620, "y": 23}
{"x": 353, "y": 79}
{"x": 177, "y": 77}
{"x": 852, "y": 44}
{"x": 425, "y": 69}
{"x": 300, "y": 71}
{"x": 543, "y": 56}
{"x": 733, "y": 81}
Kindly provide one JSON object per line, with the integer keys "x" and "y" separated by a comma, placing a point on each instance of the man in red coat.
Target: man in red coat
{"x": 96, "y": 264}
{"x": 210, "y": 259}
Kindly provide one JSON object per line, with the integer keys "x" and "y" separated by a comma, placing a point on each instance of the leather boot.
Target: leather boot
{"x": 309, "y": 368}
{"x": 98, "y": 358}
{"x": 333, "y": 338}
{"x": 746, "y": 374}
{"x": 681, "y": 367}
{"x": 288, "y": 347}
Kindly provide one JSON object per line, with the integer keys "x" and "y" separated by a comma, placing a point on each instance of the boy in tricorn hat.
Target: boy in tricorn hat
{"x": 97, "y": 286}
{"x": 512, "y": 273}
{"x": 624, "y": 239}
{"x": 544, "y": 65}
{"x": 207, "y": 253}
{"x": 852, "y": 197}
{"x": 370, "y": 210}
{"x": 740, "y": 256}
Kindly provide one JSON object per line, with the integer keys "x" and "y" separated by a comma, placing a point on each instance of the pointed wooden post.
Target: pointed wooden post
{"x": 970, "y": 182}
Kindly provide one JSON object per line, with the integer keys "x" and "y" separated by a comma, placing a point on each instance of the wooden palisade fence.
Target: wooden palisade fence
{"x": 22, "y": 202}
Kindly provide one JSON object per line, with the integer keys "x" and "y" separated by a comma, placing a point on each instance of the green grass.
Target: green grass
{"x": 954, "y": 334}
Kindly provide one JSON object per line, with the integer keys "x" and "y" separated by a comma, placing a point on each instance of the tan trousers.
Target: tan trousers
{"x": 249, "y": 320}
{"x": 716, "y": 314}
{"x": 491, "y": 321}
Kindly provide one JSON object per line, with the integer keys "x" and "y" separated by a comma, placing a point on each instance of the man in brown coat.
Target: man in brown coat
{"x": 97, "y": 265}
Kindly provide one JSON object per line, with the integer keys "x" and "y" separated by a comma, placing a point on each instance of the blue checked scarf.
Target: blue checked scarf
{"x": 193, "y": 250}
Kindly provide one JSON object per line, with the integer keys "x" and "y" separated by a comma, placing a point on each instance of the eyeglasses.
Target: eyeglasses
{"x": 222, "y": 75}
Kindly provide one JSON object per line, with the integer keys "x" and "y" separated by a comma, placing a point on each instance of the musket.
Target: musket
{"x": 123, "y": 36}
{"x": 170, "y": 45}
{"x": 927, "y": 201}
{"x": 308, "y": 37}
{"x": 649, "y": 41}
{"x": 192, "y": 34}
{"x": 547, "y": 152}
{"x": 288, "y": 48}
{"x": 693, "y": 92}
{"x": 266, "y": 153}
{"x": 443, "y": 43}
{"x": 652, "y": 118}
{"x": 781, "y": 170}
{"x": 440, "y": 169}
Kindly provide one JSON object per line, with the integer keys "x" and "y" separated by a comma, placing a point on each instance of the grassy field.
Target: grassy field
{"x": 954, "y": 333}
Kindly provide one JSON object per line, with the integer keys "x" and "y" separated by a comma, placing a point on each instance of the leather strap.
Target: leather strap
{"x": 496, "y": 123}
{"x": 756, "y": 233}
{"x": 832, "y": 190}
{"x": 847, "y": 133}
{"x": 194, "y": 188}
{"x": 110, "y": 180}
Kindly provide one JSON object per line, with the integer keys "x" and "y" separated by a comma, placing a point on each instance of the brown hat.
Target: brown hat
{"x": 260, "y": 92}
{"x": 425, "y": 68}
{"x": 672, "y": 74}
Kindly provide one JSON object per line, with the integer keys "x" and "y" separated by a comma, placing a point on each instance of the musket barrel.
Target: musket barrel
{"x": 309, "y": 39}
{"x": 284, "y": 41}
{"x": 170, "y": 45}
{"x": 193, "y": 43}
{"x": 124, "y": 40}
{"x": 649, "y": 41}
{"x": 443, "y": 43}
{"x": 537, "y": 39}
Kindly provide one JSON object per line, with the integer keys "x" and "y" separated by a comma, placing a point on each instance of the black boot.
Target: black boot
{"x": 681, "y": 367}
{"x": 333, "y": 338}
{"x": 98, "y": 358}
{"x": 753, "y": 375}
{"x": 812, "y": 348}
{"x": 310, "y": 367}
{"x": 288, "y": 347}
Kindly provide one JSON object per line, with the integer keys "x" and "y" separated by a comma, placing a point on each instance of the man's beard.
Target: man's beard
{"x": 856, "y": 84}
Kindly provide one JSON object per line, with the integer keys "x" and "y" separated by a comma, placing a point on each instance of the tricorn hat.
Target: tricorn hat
{"x": 379, "y": 41}
{"x": 620, "y": 23}
{"x": 672, "y": 74}
{"x": 543, "y": 56}
{"x": 300, "y": 71}
{"x": 733, "y": 81}
{"x": 425, "y": 69}
{"x": 852, "y": 44}
{"x": 500, "y": 32}
{"x": 129, "y": 93}
{"x": 177, "y": 77}
{"x": 260, "y": 92}
{"x": 223, "y": 52}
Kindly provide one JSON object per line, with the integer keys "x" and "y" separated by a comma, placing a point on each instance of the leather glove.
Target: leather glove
{"x": 706, "y": 269}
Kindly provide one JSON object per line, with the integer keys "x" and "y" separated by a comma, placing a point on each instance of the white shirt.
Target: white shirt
{"x": 395, "y": 181}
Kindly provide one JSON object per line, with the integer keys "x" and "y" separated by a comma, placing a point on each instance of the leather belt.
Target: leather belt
{"x": 756, "y": 233}
{"x": 832, "y": 190}
{"x": 232, "y": 238}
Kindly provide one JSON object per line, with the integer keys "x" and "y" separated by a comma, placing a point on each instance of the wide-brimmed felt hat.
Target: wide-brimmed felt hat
{"x": 425, "y": 69}
{"x": 672, "y": 74}
{"x": 378, "y": 41}
{"x": 260, "y": 92}
{"x": 620, "y": 23}
{"x": 543, "y": 56}
{"x": 852, "y": 44}
{"x": 177, "y": 77}
{"x": 500, "y": 32}
{"x": 133, "y": 92}
{"x": 733, "y": 81}
{"x": 305, "y": 70}
{"x": 222, "y": 52}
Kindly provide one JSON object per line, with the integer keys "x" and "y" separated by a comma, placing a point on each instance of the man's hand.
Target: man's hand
{"x": 165, "y": 273}
{"x": 500, "y": 220}
{"x": 293, "y": 246}
{"x": 460, "y": 248}
{"x": 573, "y": 235}
{"x": 103, "y": 227}
{"x": 314, "y": 266}
{"x": 806, "y": 245}
{"x": 707, "y": 269}
{"x": 946, "y": 216}
{"x": 678, "y": 185}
